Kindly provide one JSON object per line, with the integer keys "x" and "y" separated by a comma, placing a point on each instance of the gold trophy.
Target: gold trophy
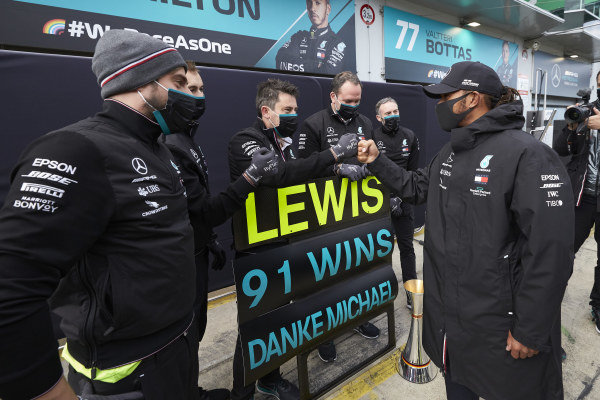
{"x": 414, "y": 364}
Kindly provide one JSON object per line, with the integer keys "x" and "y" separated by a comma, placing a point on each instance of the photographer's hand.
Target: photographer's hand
{"x": 573, "y": 126}
{"x": 594, "y": 120}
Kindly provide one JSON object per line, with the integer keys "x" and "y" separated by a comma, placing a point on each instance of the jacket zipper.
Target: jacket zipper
{"x": 174, "y": 173}
{"x": 444, "y": 350}
{"x": 89, "y": 320}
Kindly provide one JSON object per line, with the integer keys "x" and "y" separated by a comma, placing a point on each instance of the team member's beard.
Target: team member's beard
{"x": 447, "y": 119}
{"x": 181, "y": 112}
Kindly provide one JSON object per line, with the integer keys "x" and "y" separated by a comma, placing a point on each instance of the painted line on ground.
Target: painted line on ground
{"x": 368, "y": 380}
{"x": 219, "y": 301}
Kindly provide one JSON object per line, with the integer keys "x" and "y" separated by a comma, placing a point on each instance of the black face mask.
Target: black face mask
{"x": 346, "y": 111}
{"x": 181, "y": 113}
{"x": 287, "y": 125}
{"x": 390, "y": 123}
{"x": 598, "y": 93}
{"x": 446, "y": 117}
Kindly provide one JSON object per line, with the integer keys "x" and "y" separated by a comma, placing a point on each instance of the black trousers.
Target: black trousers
{"x": 172, "y": 373}
{"x": 239, "y": 391}
{"x": 201, "y": 303}
{"x": 456, "y": 391}
{"x": 586, "y": 216}
{"x": 403, "y": 227}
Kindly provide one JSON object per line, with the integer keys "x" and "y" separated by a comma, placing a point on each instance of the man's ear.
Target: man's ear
{"x": 328, "y": 9}
{"x": 378, "y": 118}
{"x": 476, "y": 100}
{"x": 264, "y": 111}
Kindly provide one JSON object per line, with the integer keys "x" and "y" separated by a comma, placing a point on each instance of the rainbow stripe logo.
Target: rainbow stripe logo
{"x": 54, "y": 27}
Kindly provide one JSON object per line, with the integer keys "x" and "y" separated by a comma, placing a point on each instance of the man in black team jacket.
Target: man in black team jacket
{"x": 322, "y": 130}
{"x": 401, "y": 146}
{"x": 276, "y": 122}
{"x": 205, "y": 211}
{"x": 318, "y": 50}
{"x": 582, "y": 144}
{"x": 97, "y": 215}
{"x": 499, "y": 245}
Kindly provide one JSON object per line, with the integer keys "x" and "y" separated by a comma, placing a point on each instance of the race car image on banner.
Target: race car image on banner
{"x": 310, "y": 36}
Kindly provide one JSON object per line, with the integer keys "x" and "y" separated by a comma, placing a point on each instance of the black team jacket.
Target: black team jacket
{"x": 497, "y": 257}
{"x": 97, "y": 215}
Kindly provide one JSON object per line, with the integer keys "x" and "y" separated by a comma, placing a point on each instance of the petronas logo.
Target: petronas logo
{"x": 486, "y": 161}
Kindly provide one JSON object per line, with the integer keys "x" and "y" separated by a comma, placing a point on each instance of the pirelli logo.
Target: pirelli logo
{"x": 42, "y": 189}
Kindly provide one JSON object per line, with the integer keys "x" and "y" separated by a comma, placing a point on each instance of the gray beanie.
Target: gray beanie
{"x": 126, "y": 60}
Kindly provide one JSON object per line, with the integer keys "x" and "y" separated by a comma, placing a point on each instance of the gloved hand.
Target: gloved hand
{"x": 218, "y": 253}
{"x": 396, "y": 206}
{"x": 351, "y": 171}
{"x": 264, "y": 163}
{"x": 346, "y": 147}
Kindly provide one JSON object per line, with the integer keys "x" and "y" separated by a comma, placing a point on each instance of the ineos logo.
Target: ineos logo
{"x": 556, "y": 75}
{"x": 139, "y": 166}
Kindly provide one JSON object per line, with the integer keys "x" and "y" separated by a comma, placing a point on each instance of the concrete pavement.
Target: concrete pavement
{"x": 380, "y": 380}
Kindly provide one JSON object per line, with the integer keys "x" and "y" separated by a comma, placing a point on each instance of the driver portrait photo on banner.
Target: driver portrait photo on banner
{"x": 305, "y": 36}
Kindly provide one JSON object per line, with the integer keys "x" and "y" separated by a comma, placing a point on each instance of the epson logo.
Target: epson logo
{"x": 42, "y": 189}
{"x": 52, "y": 164}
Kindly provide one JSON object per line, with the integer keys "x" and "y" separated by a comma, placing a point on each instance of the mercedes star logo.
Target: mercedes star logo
{"x": 330, "y": 130}
{"x": 139, "y": 166}
{"x": 556, "y": 78}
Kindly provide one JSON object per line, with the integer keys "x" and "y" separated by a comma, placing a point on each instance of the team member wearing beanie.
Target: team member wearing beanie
{"x": 104, "y": 205}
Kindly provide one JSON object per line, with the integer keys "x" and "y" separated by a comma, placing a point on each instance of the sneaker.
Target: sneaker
{"x": 282, "y": 389}
{"x": 408, "y": 301}
{"x": 215, "y": 394}
{"x": 368, "y": 330}
{"x": 327, "y": 352}
{"x": 563, "y": 354}
{"x": 596, "y": 317}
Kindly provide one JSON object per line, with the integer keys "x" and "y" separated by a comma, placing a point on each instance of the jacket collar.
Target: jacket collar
{"x": 502, "y": 118}
{"x": 315, "y": 32}
{"x": 130, "y": 121}
{"x": 337, "y": 116}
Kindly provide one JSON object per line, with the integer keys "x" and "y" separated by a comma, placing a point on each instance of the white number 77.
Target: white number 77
{"x": 406, "y": 26}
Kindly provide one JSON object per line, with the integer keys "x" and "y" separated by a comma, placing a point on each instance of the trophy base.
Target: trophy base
{"x": 416, "y": 373}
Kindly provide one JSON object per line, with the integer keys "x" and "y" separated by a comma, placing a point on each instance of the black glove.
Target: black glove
{"x": 346, "y": 147}
{"x": 396, "y": 206}
{"x": 218, "y": 253}
{"x": 351, "y": 171}
{"x": 264, "y": 163}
